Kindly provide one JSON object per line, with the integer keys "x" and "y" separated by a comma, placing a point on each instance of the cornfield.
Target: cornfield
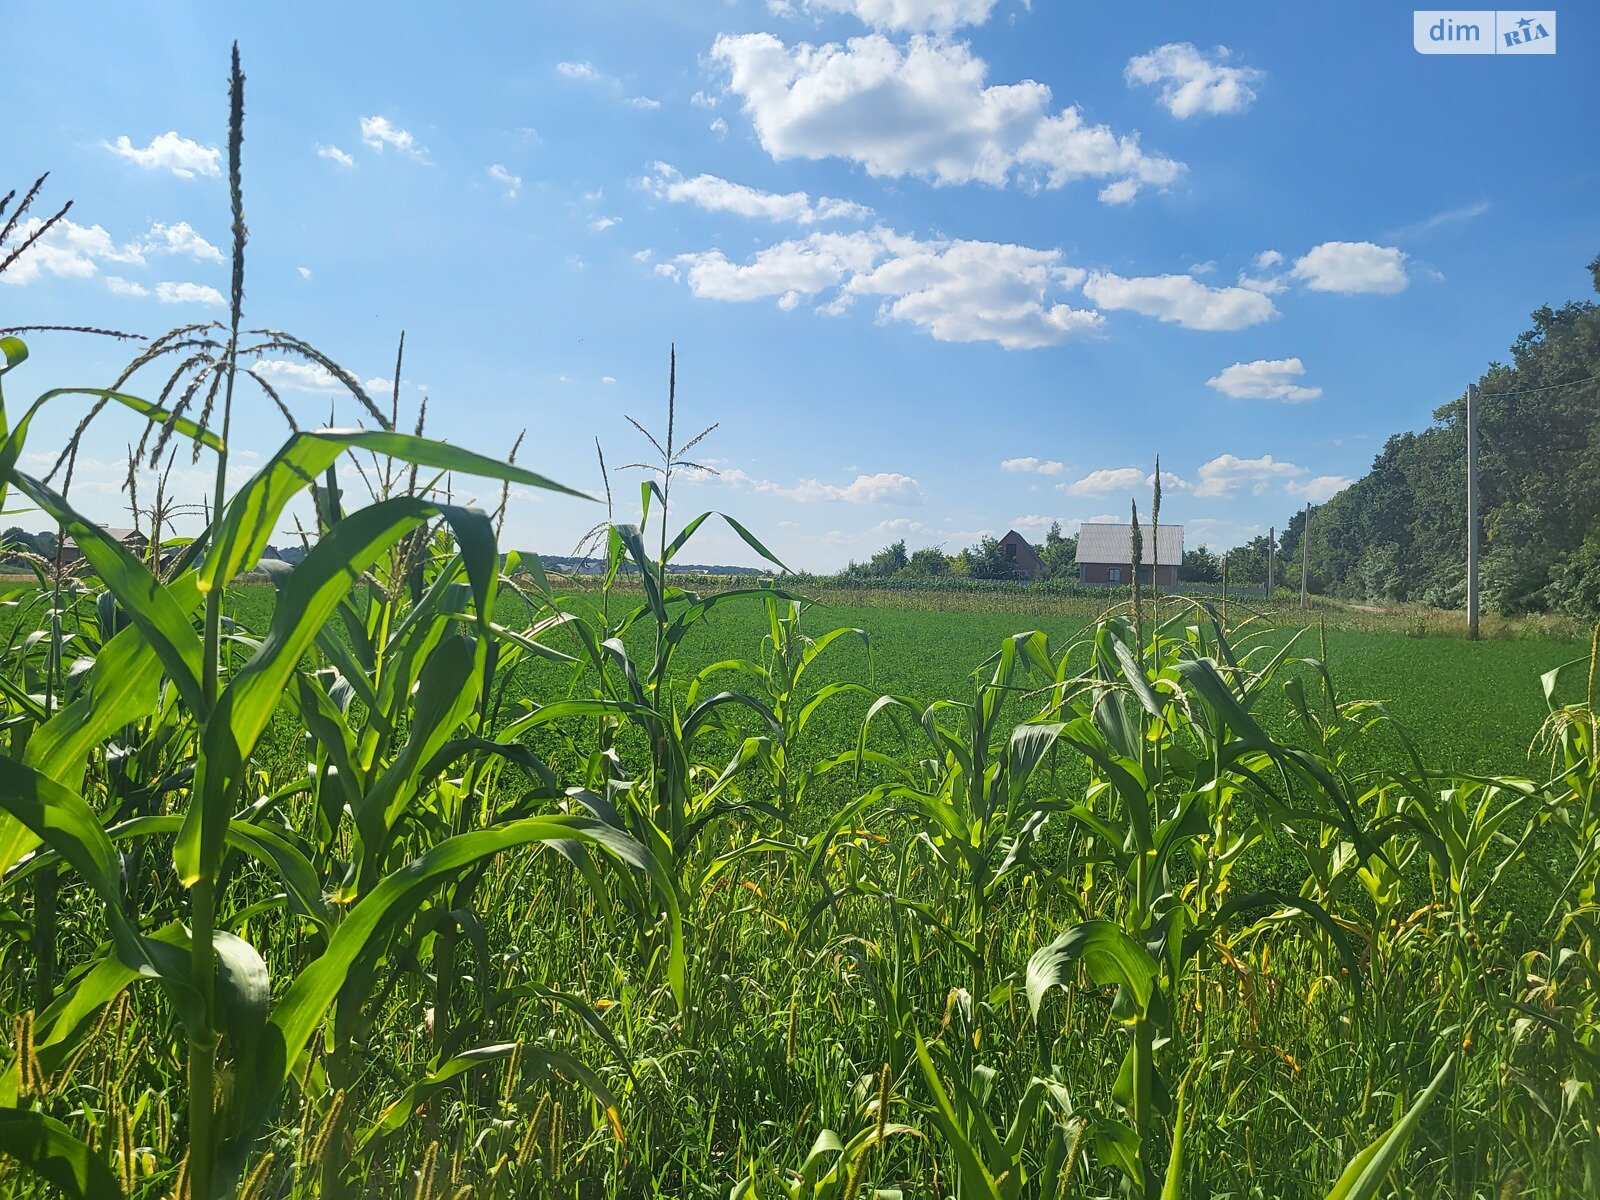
{"x": 433, "y": 883}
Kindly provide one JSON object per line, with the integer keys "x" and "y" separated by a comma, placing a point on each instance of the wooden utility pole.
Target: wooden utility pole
{"x": 1472, "y": 513}
{"x": 1272, "y": 558}
{"x": 1305, "y": 558}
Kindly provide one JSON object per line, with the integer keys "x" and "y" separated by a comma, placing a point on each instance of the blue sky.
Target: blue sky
{"x": 938, "y": 267}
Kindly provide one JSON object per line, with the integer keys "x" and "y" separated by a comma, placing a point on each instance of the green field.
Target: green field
{"x": 400, "y": 876}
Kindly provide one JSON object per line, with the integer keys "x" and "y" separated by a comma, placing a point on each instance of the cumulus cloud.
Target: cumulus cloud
{"x": 511, "y": 183}
{"x": 601, "y": 224}
{"x": 719, "y": 127}
{"x": 1033, "y": 466}
{"x": 1264, "y": 379}
{"x": 1193, "y": 84}
{"x": 305, "y": 272}
{"x": 188, "y": 293}
{"x": 1320, "y": 489}
{"x": 183, "y": 156}
{"x": 1352, "y": 267}
{"x": 910, "y": 16}
{"x": 1107, "y": 479}
{"x": 1181, "y": 299}
{"x": 67, "y": 250}
{"x": 336, "y": 155}
{"x": 166, "y": 293}
{"x": 1224, "y": 475}
{"x": 178, "y": 239}
{"x": 715, "y": 194}
{"x": 380, "y": 132}
{"x": 924, "y": 109}
{"x": 958, "y": 291}
{"x": 72, "y": 251}
{"x": 285, "y": 373}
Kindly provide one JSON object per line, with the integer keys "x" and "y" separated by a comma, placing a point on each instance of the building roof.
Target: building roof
{"x": 118, "y": 533}
{"x": 1107, "y": 543}
{"x": 1017, "y": 539}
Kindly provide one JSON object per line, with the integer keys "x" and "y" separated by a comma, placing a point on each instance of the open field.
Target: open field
{"x": 408, "y": 875}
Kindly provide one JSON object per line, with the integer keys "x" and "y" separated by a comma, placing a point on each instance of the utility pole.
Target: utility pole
{"x": 1305, "y": 558}
{"x": 1272, "y": 558}
{"x": 1472, "y": 513}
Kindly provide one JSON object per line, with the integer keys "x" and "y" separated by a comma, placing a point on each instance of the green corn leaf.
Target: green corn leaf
{"x": 46, "y": 1148}
{"x": 13, "y": 353}
{"x": 745, "y": 535}
{"x": 975, "y": 1178}
{"x": 309, "y": 599}
{"x": 251, "y": 518}
{"x": 11, "y": 447}
{"x": 151, "y": 605}
{"x": 1106, "y": 949}
{"x": 1363, "y": 1177}
{"x": 402, "y": 1111}
{"x": 367, "y": 926}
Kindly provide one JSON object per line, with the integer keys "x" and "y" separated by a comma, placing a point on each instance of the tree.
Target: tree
{"x": 928, "y": 563}
{"x": 1059, "y": 554}
{"x": 1200, "y": 565}
{"x": 986, "y": 560}
{"x": 1398, "y": 533}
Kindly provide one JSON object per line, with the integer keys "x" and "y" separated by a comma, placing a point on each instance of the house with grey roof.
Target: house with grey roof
{"x": 1105, "y": 554}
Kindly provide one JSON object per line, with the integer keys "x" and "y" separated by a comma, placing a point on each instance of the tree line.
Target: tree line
{"x": 1399, "y": 532}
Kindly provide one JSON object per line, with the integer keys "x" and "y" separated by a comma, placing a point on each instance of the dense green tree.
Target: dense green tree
{"x": 928, "y": 563}
{"x": 1200, "y": 565}
{"x": 1399, "y": 533}
{"x": 986, "y": 560}
{"x": 1059, "y": 554}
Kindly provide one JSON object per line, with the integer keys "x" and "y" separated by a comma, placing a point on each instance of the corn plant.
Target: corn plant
{"x": 171, "y": 652}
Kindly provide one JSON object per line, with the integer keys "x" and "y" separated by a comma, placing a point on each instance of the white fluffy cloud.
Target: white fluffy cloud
{"x": 1107, "y": 479}
{"x": 958, "y": 291}
{"x": 182, "y": 156}
{"x": 1033, "y": 466}
{"x": 296, "y": 376}
{"x": 1352, "y": 267}
{"x": 67, "y": 250}
{"x": 511, "y": 183}
{"x": 167, "y": 293}
{"x": 911, "y": 16}
{"x": 179, "y": 239}
{"x": 715, "y": 194}
{"x": 1181, "y": 299}
{"x": 1224, "y": 475}
{"x": 924, "y": 109}
{"x": 72, "y": 251}
{"x": 380, "y": 132}
{"x": 188, "y": 293}
{"x": 1264, "y": 379}
{"x": 601, "y": 224}
{"x": 1320, "y": 489}
{"x": 1193, "y": 84}
{"x": 334, "y": 154}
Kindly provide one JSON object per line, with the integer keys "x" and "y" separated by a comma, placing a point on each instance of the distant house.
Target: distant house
{"x": 1105, "y": 554}
{"x": 135, "y": 541}
{"x": 1023, "y": 558}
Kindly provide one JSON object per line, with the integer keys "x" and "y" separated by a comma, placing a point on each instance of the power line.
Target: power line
{"x": 1530, "y": 391}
